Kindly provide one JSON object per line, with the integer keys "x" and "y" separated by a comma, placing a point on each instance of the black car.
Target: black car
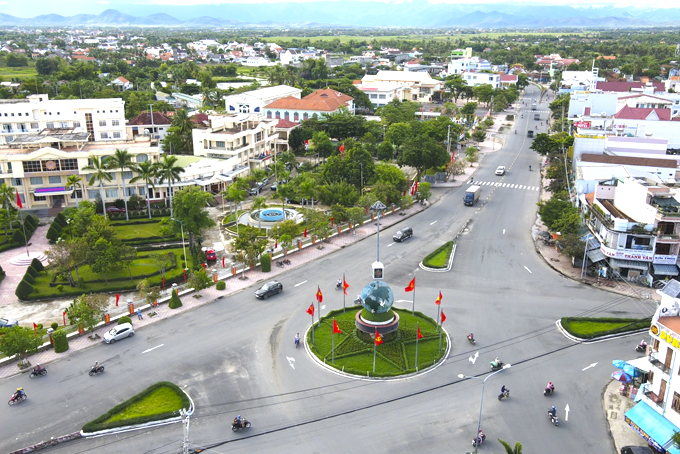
{"x": 636, "y": 450}
{"x": 268, "y": 289}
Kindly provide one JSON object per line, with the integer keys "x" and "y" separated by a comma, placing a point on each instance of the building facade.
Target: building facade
{"x": 321, "y": 102}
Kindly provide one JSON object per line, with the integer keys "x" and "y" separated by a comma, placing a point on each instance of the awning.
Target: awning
{"x": 666, "y": 201}
{"x": 653, "y": 427}
{"x": 641, "y": 363}
{"x": 618, "y": 263}
{"x": 596, "y": 255}
{"x": 665, "y": 270}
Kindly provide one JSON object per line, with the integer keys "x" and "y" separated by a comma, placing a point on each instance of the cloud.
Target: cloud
{"x": 103, "y": 2}
{"x": 3, "y": 3}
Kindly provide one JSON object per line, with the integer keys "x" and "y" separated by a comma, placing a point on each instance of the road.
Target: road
{"x": 237, "y": 356}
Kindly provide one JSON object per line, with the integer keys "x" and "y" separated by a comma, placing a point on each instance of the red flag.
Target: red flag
{"x": 223, "y": 261}
{"x": 185, "y": 275}
{"x": 416, "y": 186}
{"x": 276, "y": 244}
{"x": 342, "y": 148}
{"x": 305, "y": 234}
{"x": 411, "y": 285}
{"x": 336, "y": 328}
{"x": 310, "y": 310}
{"x": 117, "y": 298}
{"x": 163, "y": 282}
{"x": 378, "y": 339}
{"x": 331, "y": 222}
{"x": 345, "y": 285}
{"x": 443, "y": 318}
{"x": 35, "y": 327}
{"x": 420, "y": 335}
{"x": 204, "y": 266}
{"x": 319, "y": 295}
{"x": 19, "y": 200}
{"x": 439, "y": 299}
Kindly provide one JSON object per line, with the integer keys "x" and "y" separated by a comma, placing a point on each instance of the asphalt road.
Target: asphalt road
{"x": 237, "y": 356}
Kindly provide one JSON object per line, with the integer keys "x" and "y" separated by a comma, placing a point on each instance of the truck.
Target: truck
{"x": 472, "y": 195}
{"x": 537, "y": 117}
{"x": 530, "y": 133}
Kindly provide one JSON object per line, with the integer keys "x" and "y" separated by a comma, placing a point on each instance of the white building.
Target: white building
{"x": 290, "y": 57}
{"x": 474, "y": 78}
{"x": 101, "y": 119}
{"x": 381, "y": 93}
{"x": 465, "y": 64}
{"x": 256, "y": 61}
{"x": 417, "y": 86}
{"x": 254, "y": 101}
{"x": 320, "y": 103}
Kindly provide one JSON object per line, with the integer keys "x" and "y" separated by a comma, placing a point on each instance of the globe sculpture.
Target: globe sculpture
{"x": 377, "y": 314}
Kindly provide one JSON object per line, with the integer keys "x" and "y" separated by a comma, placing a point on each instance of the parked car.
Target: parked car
{"x": 296, "y": 201}
{"x": 119, "y": 332}
{"x": 636, "y": 450}
{"x": 255, "y": 191}
{"x": 276, "y": 184}
{"x": 264, "y": 182}
{"x": 7, "y": 323}
{"x": 115, "y": 210}
{"x": 210, "y": 255}
{"x": 500, "y": 170}
{"x": 403, "y": 234}
{"x": 268, "y": 289}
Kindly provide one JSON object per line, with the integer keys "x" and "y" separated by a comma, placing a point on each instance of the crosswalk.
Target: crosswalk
{"x": 504, "y": 185}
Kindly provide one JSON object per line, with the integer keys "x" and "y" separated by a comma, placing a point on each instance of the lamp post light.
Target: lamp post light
{"x": 186, "y": 260}
{"x": 481, "y": 402}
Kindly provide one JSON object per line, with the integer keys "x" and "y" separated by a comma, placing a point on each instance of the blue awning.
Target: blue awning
{"x": 653, "y": 427}
{"x": 665, "y": 270}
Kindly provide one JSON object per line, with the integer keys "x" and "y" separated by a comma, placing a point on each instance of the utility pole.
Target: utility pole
{"x": 185, "y": 424}
{"x": 448, "y": 140}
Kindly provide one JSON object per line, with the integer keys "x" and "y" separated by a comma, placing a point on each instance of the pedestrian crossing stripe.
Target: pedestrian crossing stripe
{"x": 504, "y": 185}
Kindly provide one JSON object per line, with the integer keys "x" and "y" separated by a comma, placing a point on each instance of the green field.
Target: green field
{"x": 490, "y": 35}
{"x": 23, "y": 72}
{"x": 130, "y": 231}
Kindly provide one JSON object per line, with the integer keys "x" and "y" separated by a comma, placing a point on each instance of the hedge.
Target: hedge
{"x": 125, "y": 319}
{"x": 578, "y": 326}
{"x": 32, "y": 271}
{"x": 60, "y": 341}
{"x": 54, "y": 232}
{"x": 37, "y": 264}
{"x": 2, "y": 274}
{"x": 266, "y": 263}
{"x": 101, "y": 424}
{"x": 24, "y": 289}
{"x": 221, "y": 285}
{"x": 175, "y": 302}
{"x": 28, "y": 277}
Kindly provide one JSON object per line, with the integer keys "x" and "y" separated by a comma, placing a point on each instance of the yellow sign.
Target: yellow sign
{"x": 668, "y": 337}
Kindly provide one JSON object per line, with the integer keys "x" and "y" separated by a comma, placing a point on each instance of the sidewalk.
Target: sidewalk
{"x": 615, "y": 407}
{"x": 233, "y": 285}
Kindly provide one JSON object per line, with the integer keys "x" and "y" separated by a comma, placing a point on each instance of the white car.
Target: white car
{"x": 500, "y": 170}
{"x": 119, "y": 332}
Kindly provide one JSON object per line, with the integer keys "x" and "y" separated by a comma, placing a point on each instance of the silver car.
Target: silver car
{"x": 119, "y": 332}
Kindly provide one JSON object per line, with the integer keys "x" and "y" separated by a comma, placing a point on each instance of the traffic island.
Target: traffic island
{"x": 440, "y": 259}
{"x": 591, "y": 328}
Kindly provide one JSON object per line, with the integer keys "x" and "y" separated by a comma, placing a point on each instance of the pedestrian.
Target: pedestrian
{"x": 139, "y": 314}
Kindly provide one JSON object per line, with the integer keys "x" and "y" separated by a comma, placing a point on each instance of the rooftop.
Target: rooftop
{"x": 629, "y": 160}
{"x": 643, "y": 113}
{"x": 324, "y": 100}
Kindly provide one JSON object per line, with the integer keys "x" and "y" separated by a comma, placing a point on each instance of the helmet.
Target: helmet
{"x": 20, "y": 389}
{"x": 238, "y": 416}
{"x": 38, "y": 364}
{"x": 480, "y": 430}
{"x": 554, "y": 408}
{"x": 549, "y": 383}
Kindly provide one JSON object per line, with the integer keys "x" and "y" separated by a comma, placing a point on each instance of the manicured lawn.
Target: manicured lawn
{"x": 130, "y": 231}
{"x": 160, "y": 400}
{"x": 440, "y": 257}
{"x": 589, "y": 328}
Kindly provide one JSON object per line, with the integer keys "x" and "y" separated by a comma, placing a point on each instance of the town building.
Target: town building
{"x": 254, "y": 101}
{"x": 417, "y": 86}
{"x": 381, "y": 93}
{"x": 321, "y": 102}
{"x": 151, "y": 124}
{"x": 37, "y": 115}
{"x": 474, "y": 78}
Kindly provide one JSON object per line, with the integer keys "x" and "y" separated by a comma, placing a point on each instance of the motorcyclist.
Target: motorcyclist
{"x": 550, "y": 387}
{"x": 503, "y": 389}
{"x": 19, "y": 392}
{"x": 480, "y": 436}
{"x": 297, "y": 338}
{"x": 96, "y": 366}
{"x": 529, "y": 168}
{"x": 238, "y": 421}
{"x": 38, "y": 368}
{"x": 338, "y": 284}
{"x": 497, "y": 362}
{"x": 553, "y": 412}
{"x": 471, "y": 337}
{"x": 643, "y": 344}
{"x": 515, "y": 131}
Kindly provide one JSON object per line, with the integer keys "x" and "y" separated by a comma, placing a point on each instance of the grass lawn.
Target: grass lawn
{"x": 130, "y": 231}
{"x": 589, "y": 328}
{"x": 396, "y": 356}
{"x": 161, "y": 400}
{"x": 21, "y": 72}
{"x": 440, "y": 257}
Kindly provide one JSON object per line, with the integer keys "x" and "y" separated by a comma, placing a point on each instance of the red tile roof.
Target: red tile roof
{"x": 509, "y": 78}
{"x": 642, "y": 113}
{"x": 325, "y": 100}
{"x": 620, "y": 87}
{"x": 286, "y": 124}
{"x": 199, "y": 118}
{"x": 144, "y": 118}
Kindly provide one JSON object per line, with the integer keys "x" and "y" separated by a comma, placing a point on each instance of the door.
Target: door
{"x": 662, "y": 391}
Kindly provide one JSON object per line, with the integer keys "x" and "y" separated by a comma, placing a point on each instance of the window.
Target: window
{"x": 129, "y": 191}
{"x": 269, "y": 114}
{"x": 115, "y": 122}
{"x": 141, "y": 157}
{"x": 258, "y": 137}
{"x": 22, "y": 127}
{"x": 374, "y": 96}
{"x": 676, "y": 402}
{"x": 39, "y": 198}
{"x": 116, "y": 135}
{"x": 112, "y": 193}
{"x": 92, "y": 193}
{"x": 32, "y": 166}
{"x": 37, "y": 180}
{"x": 655, "y": 345}
{"x": 669, "y": 358}
{"x": 69, "y": 164}
{"x": 219, "y": 144}
{"x": 34, "y": 126}
{"x": 127, "y": 175}
{"x": 102, "y": 122}
{"x": 49, "y": 125}
{"x": 278, "y": 115}
{"x": 16, "y": 181}
{"x": 50, "y": 165}
{"x": 77, "y": 193}
{"x": 382, "y": 97}
{"x": 76, "y": 124}
{"x": 22, "y": 198}
{"x": 305, "y": 116}
{"x": 104, "y": 135}
{"x": 55, "y": 179}
{"x": 63, "y": 124}
{"x": 7, "y": 128}
{"x": 142, "y": 191}
{"x": 286, "y": 115}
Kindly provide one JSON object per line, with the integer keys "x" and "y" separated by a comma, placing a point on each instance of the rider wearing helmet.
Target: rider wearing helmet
{"x": 550, "y": 386}
{"x": 19, "y": 392}
{"x": 471, "y": 336}
{"x": 503, "y": 389}
{"x": 553, "y": 411}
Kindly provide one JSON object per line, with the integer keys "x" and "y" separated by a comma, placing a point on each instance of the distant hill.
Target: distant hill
{"x": 372, "y": 13}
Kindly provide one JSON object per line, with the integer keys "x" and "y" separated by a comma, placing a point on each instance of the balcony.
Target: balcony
{"x": 668, "y": 214}
{"x": 654, "y": 360}
{"x": 667, "y": 238}
{"x": 655, "y": 399}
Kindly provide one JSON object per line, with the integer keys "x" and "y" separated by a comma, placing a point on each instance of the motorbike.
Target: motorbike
{"x": 94, "y": 371}
{"x": 38, "y": 373}
{"x": 641, "y": 347}
{"x": 553, "y": 419}
{"x": 547, "y": 390}
{"x": 338, "y": 286}
{"x": 505, "y": 394}
{"x": 479, "y": 440}
{"x": 16, "y": 399}
{"x": 287, "y": 261}
{"x": 471, "y": 339}
{"x": 236, "y": 427}
{"x": 496, "y": 364}
{"x": 279, "y": 263}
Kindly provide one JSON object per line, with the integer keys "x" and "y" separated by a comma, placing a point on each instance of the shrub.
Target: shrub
{"x": 60, "y": 288}
{"x": 175, "y": 302}
{"x": 266, "y": 263}
{"x": 29, "y": 278}
{"x": 221, "y": 285}
{"x": 24, "y": 289}
{"x": 60, "y": 341}
{"x": 37, "y": 264}
{"x": 60, "y": 219}
{"x": 18, "y": 237}
{"x": 54, "y": 232}
{"x": 32, "y": 271}
{"x": 40, "y": 326}
{"x": 54, "y": 326}
{"x": 2, "y": 274}
{"x": 124, "y": 319}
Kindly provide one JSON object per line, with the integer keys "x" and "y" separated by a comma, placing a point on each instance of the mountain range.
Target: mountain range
{"x": 354, "y": 13}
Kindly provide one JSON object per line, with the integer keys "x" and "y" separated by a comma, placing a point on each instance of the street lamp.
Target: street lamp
{"x": 479, "y": 421}
{"x": 184, "y": 249}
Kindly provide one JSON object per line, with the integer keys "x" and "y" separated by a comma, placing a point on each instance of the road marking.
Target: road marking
{"x": 588, "y": 367}
{"x": 528, "y": 270}
{"x": 299, "y": 283}
{"x": 402, "y": 301}
{"x": 433, "y": 222}
{"x": 291, "y": 361}
{"x": 566, "y": 411}
{"x": 147, "y": 351}
{"x": 323, "y": 307}
{"x": 474, "y": 357}
{"x": 390, "y": 244}
{"x": 503, "y": 231}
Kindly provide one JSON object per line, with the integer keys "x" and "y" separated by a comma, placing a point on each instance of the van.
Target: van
{"x": 530, "y": 134}
{"x": 472, "y": 195}
{"x": 403, "y": 234}
{"x": 537, "y": 117}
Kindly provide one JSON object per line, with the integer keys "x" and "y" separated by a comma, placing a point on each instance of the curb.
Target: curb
{"x": 607, "y": 337}
{"x": 441, "y": 270}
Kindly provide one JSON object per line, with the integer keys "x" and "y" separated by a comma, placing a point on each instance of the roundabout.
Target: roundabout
{"x": 268, "y": 217}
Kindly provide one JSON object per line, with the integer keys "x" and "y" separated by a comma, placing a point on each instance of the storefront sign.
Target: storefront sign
{"x": 666, "y": 336}
{"x": 641, "y": 256}
{"x": 665, "y": 259}
{"x": 644, "y": 434}
{"x": 588, "y": 136}
{"x": 582, "y": 124}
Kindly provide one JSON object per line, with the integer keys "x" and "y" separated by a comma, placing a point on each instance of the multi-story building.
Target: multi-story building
{"x": 418, "y": 86}
{"x": 381, "y": 93}
{"x": 250, "y": 138}
{"x": 474, "y": 78}
{"x": 321, "y": 102}
{"x": 254, "y": 101}
{"x": 101, "y": 119}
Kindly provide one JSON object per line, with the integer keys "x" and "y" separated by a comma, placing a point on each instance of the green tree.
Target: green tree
{"x": 179, "y": 137}
{"x": 74, "y": 182}
{"x": 478, "y": 135}
{"x": 483, "y": 93}
{"x": 87, "y": 310}
{"x": 122, "y": 160}
{"x": 398, "y": 112}
{"x": 20, "y": 341}
{"x": 355, "y": 216}
{"x": 399, "y": 133}
{"x": 100, "y": 173}
{"x": 236, "y": 193}
{"x": 322, "y": 145}
{"x": 288, "y": 227}
{"x": 471, "y": 155}
{"x": 343, "y": 124}
{"x": 455, "y": 85}
{"x": 249, "y": 244}
{"x": 391, "y": 175}
{"x": 468, "y": 112}
{"x": 386, "y": 151}
{"x": 552, "y": 210}
{"x": 105, "y": 257}
{"x": 168, "y": 170}
{"x": 174, "y": 302}
{"x": 425, "y": 190}
{"x": 517, "y": 449}
{"x": 147, "y": 172}
{"x": 189, "y": 208}
{"x": 423, "y": 153}
{"x": 7, "y": 198}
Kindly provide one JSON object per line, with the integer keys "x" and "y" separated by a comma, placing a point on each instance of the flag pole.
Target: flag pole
{"x": 440, "y": 331}
{"x": 413, "y": 307}
{"x": 375, "y": 348}
{"x": 333, "y": 344}
{"x": 418, "y": 328}
{"x": 439, "y": 308}
{"x": 344, "y": 292}
{"x": 313, "y": 328}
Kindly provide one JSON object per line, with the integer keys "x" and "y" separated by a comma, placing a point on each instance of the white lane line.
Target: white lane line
{"x": 157, "y": 346}
{"x": 390, "y": 244}
{"x": 528, "y": 270}
{"x": 296, "y": 285}
{"x": 503, "y": 231}
{"x": 291, "y": 361}
{"x": 433, "y": 222}
{"x": 403, "y": 301}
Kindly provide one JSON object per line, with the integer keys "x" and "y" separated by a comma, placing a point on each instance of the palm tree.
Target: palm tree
{"x": 74, "y": 182}
{"x": 284, "y": 192}
{"x": 509, "y": 449}
{"x": 147, "y": 172}
{"x": 101, "y": 174}
{"x": 122, "y": 160}
{"x": 7, "y": 194}
{"x": 181, "y": 127}
{"x": 169, "y": 171}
